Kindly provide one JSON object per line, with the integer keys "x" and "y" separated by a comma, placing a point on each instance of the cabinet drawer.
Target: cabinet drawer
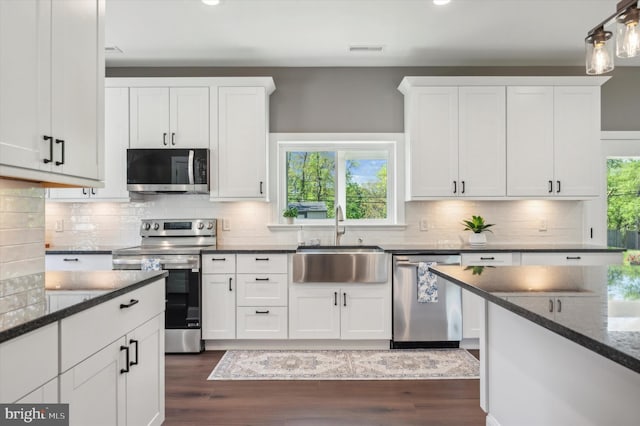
{"x": 262, "y": 290}
{"x": 263, "y": 322}
{"x": 219, "y": 263}
{"x": 28, "y": 362}
{"x": 78, "y": 262}
{"x": 262, "y": 263}
{"x": 108, "y": 322}
{"x": 578, "y": 259}
{"x": 496, "y": 259}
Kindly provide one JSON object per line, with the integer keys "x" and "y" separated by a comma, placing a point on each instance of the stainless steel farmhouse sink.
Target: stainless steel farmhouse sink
{"x": 340, "y": 264}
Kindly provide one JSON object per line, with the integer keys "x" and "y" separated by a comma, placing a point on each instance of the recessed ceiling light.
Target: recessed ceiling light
{"x": 365, "y": 48}
{"x": 211, "y": 2}
{"x": 440, "y": 2}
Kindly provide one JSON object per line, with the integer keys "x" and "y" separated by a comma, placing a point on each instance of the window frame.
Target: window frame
{"x": 392, "y": 143}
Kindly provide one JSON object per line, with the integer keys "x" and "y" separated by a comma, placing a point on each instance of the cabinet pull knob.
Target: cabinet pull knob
{"x": 558, "y": 190}
{"x": 50, "y": 139}
{"x": 550, "y": 305}
{"x": 335, "y": 298}
{"x": 126, "y": 351}
{"x": 262, "y": 259}
{"x": 463, "y": 188}
{"x": 262, "y": 279}
{"x": 550, "y": 186}
{"x": 130, "y": 304}
{"x": 216, "y": 259}
{"x": 135, "y": 342}
{"x": 262, "y": 312}
{"x": 344, "y": 298}
{"x": 574, "y": 257}
{"x": 71, "y": 259}
{"x": 455, "y": 187}
{"x": 488, "y": 258}
{"x": 60, "y": 141}
{"x": 173, "y": 138}
{"x": 559, "y": 303}
{"x": 230, "y": 289}
{"x": 261, "y": 184}
{"x": 164, "y": 139}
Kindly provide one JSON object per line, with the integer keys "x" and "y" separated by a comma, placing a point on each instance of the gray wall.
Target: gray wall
{"x": 367, "y": 100}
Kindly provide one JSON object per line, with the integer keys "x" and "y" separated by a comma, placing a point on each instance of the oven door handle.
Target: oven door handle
{"x": 126, "y": 262}
{"x": 169, "y": 264}
{"x": 190, "y": 167}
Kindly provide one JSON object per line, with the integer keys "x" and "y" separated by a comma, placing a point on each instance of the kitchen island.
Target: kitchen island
{"x": 559, "y": 345}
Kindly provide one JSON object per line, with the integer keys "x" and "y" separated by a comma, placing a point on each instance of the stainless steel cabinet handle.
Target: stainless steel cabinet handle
{"x": 230, "y": 289}
{"x": 261, "y": 184}
{"x": 559, "y": 303}
{"x": 221, "y": 259}
{"x": 574, "y": 257}
{"x": 262, "y": 279}
{"x": 173, "y": 138}
{"x": 488, "y": 258}
{"x": 550, "y": 305}
{"x": 335, "y": 298}
{"x": 463, "y": 188}
{"x": 558, "y": 190}
{"x": 550, "y": 186}
{"x": 344, "y": 298}
{"x": 164, "y": 139}
{"x": 262, "y": 312}
{"x": 455, "y": 187}
{"x": 50, "y": 139}
{"x": 266, "y": 259}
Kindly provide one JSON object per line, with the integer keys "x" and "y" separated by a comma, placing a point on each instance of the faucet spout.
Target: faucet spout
{"x": 338, "y": 232}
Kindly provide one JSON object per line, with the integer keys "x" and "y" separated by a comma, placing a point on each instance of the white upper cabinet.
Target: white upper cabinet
{"x": 116, "y": 144}
{"x": 455, "y": 142}
{"x": 163, "y": 117}
{"x": 553, "y": 141}
{"x": 51, "y": 90}
{"x": 242, "y": 143}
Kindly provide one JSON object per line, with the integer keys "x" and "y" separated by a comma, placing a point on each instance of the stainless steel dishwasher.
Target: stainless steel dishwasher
{"x": 425, "y": 325}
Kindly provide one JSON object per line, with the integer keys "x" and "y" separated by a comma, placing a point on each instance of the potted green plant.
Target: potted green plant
{"x": 289, "y": 214}
{"x": 478, "y": 226}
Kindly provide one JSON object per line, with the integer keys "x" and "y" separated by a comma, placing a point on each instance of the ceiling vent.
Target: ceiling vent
{"x": 112, "y": 49}
{"x": 365, "y": 48}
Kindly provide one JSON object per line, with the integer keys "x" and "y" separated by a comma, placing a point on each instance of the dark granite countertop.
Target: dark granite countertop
{"x": 71, "y": 249}
{"x": 95, "y": 286}
{"x": 602, "y": 303}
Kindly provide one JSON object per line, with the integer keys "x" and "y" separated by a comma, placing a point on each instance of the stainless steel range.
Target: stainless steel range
{"x": 174, "y": 245}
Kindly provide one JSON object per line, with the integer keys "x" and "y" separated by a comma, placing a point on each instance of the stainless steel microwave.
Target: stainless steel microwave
{"x": 168, "y": 170}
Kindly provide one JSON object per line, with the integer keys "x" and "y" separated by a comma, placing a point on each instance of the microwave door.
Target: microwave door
{"x": 190, "y": 168}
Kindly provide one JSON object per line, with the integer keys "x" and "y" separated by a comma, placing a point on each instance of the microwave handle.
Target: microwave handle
{"x": 190, "y": 171}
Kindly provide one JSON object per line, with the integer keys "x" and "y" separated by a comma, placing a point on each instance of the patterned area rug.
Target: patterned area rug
{"x": 419, "y": 364}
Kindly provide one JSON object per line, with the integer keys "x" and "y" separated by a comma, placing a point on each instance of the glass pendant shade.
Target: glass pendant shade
{"x": 628, "y": 34}
{"x": 599, "y": 53}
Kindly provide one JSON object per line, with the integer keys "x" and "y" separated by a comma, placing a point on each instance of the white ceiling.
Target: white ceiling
{"x": 319, "y": 32}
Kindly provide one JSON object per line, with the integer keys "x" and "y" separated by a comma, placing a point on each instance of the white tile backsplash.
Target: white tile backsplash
{"x": 22, "y": 231}
{"x": 114, "y": 224}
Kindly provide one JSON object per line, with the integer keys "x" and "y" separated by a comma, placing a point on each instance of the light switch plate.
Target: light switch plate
{"x": 60, "y": 225}
{"x": 226, "y": 226}
{"x": 424, "y": 225}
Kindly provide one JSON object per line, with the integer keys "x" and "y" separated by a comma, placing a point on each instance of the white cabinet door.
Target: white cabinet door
{"x": 541, "y": 305}
{"x": 262, "y": 322}
{"x": 25, "y": 86}
{"x": 144, "y": 383}
{"x": 314, "y": 313}
{"x": 149, "y": 114}
{"x": 471, "y": 321}
{"x": 45, "y": 394}
{"x": 571, "y": 259}
{"x": 77, "y": 76}
{"x": 530, "y": 140}
{"x": 262, "y": 290}
{"x": 366, "y": 312}
{"x": 432, "y": 148}
{"x": 578, "y": 167}
{"x": 95, "y": 389}
{"x": 482, "y": 142}
{"x": 218, "y": 306}
{"x": 189, "y": 117}
{"x": 242, "y": 143}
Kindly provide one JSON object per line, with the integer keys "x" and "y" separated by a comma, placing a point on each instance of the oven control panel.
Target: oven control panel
{"x": 178, "y": 228}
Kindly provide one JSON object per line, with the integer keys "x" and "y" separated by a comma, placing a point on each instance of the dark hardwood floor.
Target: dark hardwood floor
{"x": 193, "y": 400}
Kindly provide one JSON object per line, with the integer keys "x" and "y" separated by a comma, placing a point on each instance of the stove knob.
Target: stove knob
{"x": 200, "y": 225}
{"x": 210, "y": 225}
{"x": 146, "y": 226}
{"x": 156, "y": 226}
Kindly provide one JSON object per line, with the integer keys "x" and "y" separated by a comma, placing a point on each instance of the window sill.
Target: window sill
{"x": 297, "y": 226}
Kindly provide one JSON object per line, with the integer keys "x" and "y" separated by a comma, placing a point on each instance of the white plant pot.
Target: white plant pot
{"x": 289, "y": 220}
{"x": 477, "y": 239}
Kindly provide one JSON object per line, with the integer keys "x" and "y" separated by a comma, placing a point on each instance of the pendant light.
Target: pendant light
{"x": 599, "y": 45}
{"x": 628, "y": 37}
{"x": 599, "y": 52}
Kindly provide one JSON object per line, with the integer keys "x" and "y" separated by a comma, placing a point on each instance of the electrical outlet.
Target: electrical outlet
{"x": 424, "y": 225}
{"x": 60, "y": 225}
{"x": 226, "y": 225}
{"x": 542, "y": 226}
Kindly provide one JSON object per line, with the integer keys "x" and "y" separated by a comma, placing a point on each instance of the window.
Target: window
{"x": 317, "y": 176}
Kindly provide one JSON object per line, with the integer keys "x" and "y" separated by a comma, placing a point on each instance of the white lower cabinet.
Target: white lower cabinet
{"x": 352, "y": 311}
{"x": 219, "y": 305}
{"x": 78, "y": 262}
{"x": 268, "y": 322}
{"x": 45, "y": 394}
{"x": 571, "y": 259}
